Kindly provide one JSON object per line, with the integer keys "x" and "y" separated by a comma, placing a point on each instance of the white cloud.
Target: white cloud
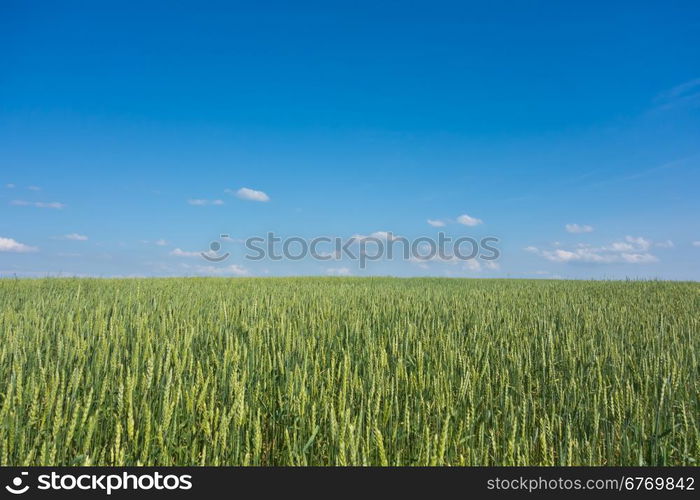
{"x": 436, "y": 223}
{"x": 665, "y": 244}
{"x": 10, "y": 186}
{"x": 634, "y": 250}
{"x": 11, "y": 245}
{"x": 384, "y": 235}
{"x": 468, "y": 220}
{"x": 338, "y": 271}
{"x": 198, "y": 202}
{"x": 233, "y": 269}
{"x": 34, "y": 188}
{"x": 38, "y": 204}
{"x": 249, "y": 194}
{"x": 178, "y": 252}
{"x": 53, "y": 204}
{"x": 228, "y": 237}
{"x": 207, "y": 269}
{"x": 620, "y": 246}
{"x": 638, "y": 258}
{"x": 161, "y": 242}
{"x": 74, "y": 237}
{"x": 640, "y": 242}
{"x": 472, "y": 265}
{"x": 696, "y": 243}
{"x": 576, "y": 228}
{"x": 379, "y": 235}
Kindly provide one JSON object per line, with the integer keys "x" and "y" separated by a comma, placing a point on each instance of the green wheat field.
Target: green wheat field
{"x": 348, "y": 371}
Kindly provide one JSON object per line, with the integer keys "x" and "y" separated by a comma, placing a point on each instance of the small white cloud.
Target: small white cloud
{"x": 38, "y": 204}
{"x": 378, "y": 235}
{"x": 178, "y": 252}
{"x": 472, "y": 265}
{"x": 198, "y": 202}
{"x": 642, "y": 243}
{"x": 161, "y": 242}
{"x": 696, "y": 243}
{"x": 52, "y": 204}
{"x": 34, "y": 188}
{"x": 249, "y": 194}
{"x": 665, "y": 244}
{"x": 468, "y": 220}
{"x": 577, "y": 228}
{"x": 232, "y": 269}
{"x": 10, "y": 186}
{"x": 74, "y": 237}
{"x": 236, "y": 269}
{"x": 384, "y": 235}
{"x": 338, "y": 271}
{"x": 638, "y": 258}
{"x": 14, "y": 246}
{"x": 620, "y": 246}
{"x": 211, "y": 270}
{"x": 436, "y": 223}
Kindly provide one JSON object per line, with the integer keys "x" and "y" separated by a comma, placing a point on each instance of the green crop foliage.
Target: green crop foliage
{"x": 348, "y": 371}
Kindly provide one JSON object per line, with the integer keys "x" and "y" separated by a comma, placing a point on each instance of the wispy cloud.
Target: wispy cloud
{"x": 10, "y": 186}
{"x": 178, "y": 252}
{"x": 14, "y": 246}
{"x": 685, "y": 94}
{"x": 73, "y": 237}
{"x": 198, "y": 202}
{"x": 663, "y": 169}
{"x": 468, "y": 220}
{"x": 34, "y": 188}
{"x": 665, "y": 244}
{"x": 578, "y": 228}
{"x": 436, "y": 223}
{"x": 472, "y": 265}
{"x": 633, "y": 250}
{"x": 38, "y": 204}
{"x": 210, "y": 270}
{"x": 245, "y": 193}
{"x": 161, "y": 242}
{"x": 378, "y": 235}
{"x": 696, "y": 243}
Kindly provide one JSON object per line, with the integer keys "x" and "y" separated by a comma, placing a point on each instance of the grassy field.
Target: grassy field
{"x": 342, "y": 371}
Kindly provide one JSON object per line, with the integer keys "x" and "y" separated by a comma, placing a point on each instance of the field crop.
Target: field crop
{"x": 345, "y": 371}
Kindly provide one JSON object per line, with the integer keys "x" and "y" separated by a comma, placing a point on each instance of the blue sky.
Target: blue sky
{"x": 352, "y": 118}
